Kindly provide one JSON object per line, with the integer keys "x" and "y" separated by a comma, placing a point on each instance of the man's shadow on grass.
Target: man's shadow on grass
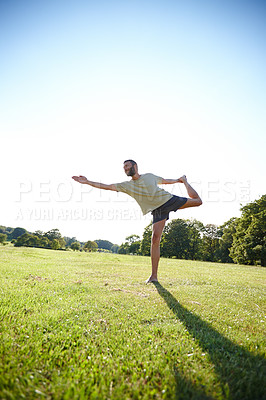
{"x": 241, "y": 374}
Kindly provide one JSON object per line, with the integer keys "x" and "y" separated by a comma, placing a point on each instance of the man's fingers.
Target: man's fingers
{"x": 77, "y": 178}
{"x": 80, "y": 179}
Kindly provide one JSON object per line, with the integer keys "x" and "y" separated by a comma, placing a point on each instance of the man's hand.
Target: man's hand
{"x": 182, "y": 179}
{"x": 80, "y": 179}
{"x": 98, "y": 185}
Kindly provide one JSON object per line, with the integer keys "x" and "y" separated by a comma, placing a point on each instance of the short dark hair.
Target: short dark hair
{"x": 132, "y": 162}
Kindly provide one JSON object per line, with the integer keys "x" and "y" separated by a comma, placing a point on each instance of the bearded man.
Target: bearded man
{"x": 151, "y": 198}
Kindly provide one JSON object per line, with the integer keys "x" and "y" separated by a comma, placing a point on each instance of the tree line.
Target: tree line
{"x": 240, "y": 240}
{"x": 20, "y": 237}
{"x": 52, "y": 240}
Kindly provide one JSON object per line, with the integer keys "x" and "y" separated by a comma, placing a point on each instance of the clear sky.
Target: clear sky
{"x": 179, "y": 86}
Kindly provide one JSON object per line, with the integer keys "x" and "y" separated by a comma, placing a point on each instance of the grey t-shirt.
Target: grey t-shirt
{"x": 145, "y": 191}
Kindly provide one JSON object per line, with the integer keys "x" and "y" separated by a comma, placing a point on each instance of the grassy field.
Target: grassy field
{"x": 85, "y": 326}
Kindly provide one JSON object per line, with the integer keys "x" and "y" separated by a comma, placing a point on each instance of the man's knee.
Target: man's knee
{"x": 192, "y": 203}
{"x": 199, "y": 201}
{"x": 196, "y": 202}
{"x": 156, "y": 238}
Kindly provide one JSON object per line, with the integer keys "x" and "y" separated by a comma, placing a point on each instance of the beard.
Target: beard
{"x": 132, "y": 171}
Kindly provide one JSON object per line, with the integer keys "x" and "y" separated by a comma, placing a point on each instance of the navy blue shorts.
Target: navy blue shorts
{"x": 163, "y": 211}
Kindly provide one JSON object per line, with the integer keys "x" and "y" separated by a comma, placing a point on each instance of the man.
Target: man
{"x": 151, "y": 198}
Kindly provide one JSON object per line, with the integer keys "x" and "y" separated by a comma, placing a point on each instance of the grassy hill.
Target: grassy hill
{"x": 85, "y": 326}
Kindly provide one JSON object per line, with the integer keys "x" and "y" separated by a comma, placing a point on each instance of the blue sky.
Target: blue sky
{"x": 177, "y": 85}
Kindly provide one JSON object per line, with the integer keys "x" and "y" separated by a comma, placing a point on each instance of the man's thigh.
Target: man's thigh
{"x": 157, "y": 228}
{"x": 191, "y": 203}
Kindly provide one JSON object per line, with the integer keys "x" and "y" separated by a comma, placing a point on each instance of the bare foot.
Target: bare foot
{"x": 182, "y": 179}
{"x": 150, "y": 280}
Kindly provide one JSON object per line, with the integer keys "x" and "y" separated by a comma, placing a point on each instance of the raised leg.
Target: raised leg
{"x": 194, "y": 200}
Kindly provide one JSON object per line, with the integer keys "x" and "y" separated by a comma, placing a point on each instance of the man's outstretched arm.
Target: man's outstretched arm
{"x": 171, "y": 181}
{"x": 85, "y": 181}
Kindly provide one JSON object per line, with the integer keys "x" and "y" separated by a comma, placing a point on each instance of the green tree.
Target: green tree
{"x": 55, "y": 244}
{"x": 27, "y": 240}
{"x": 249, "y": 240}
{"x": 195, "y": 230}
{"x": 39, "y": 240}
{"x": 53, "y": 235}
{"x": 7, "y": 231}
{"x": 2, "y": 238}
{"x": 17, "y": 232}
{"x": 90, "y": 246}
{"x": 69, "y": 241}
{"x": 228, "y": 230}
{"x": 124, "y": 248}
{"x": 175, "y": 239}
{"x": 104, "y": 244}
{"x": 145, "y": 245}
{"x": 210, "y": 242}
{"x": 115, "y": 248}
{"x": 131, "y": 245}
{"x": 44, "y": 242}
{"x": 134, "y": 243}
{"x": 33, "y": 241}
{"x": 75, "y": 246}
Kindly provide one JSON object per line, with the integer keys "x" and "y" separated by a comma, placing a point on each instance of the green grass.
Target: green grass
{"x": 85, "y": 326}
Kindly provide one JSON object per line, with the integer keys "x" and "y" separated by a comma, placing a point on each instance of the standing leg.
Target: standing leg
{"x": 157, "y": 230}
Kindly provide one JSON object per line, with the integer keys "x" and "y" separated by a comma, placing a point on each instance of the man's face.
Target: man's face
{"x": 129, "y": 168}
